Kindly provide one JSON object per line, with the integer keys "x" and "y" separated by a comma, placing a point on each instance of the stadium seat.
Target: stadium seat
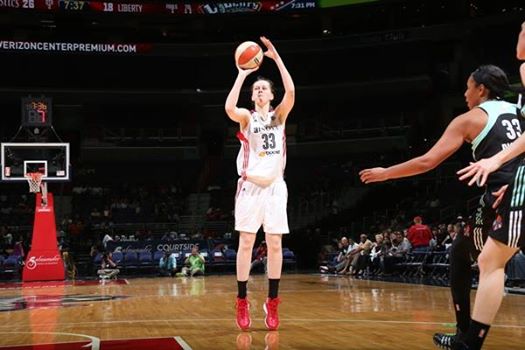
{"x": 118, "y": 258}
{"x": 230, "y": 255}
{"x": 97, "y": 259}
{"x": 206, "y": 255}
{"x": 131, "y": 261}
{"x": 288, "y": 254}
{"x": 180, "y": 257}
{"x": 157, "y": 256}
{"x": 145, "y": 259}
{"x": 12, "y": 264}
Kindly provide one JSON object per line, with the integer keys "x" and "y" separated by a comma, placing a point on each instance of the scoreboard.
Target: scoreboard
{"x": 36, "y": 111}
{"x": 167, "y": 8}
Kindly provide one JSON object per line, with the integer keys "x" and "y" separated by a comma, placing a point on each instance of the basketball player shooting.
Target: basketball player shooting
{"x": 262, "y": 194}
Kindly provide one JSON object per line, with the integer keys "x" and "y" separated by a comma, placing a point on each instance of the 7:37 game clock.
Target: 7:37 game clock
{"x": 36, "y": 111}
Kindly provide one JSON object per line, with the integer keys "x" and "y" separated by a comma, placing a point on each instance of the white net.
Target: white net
{"x": 34, "y": 180}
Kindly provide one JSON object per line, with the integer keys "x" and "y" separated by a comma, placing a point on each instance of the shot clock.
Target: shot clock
{"x": 36, "y": 112}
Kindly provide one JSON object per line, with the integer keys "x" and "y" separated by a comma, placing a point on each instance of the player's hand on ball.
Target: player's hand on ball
{"x": 271, "y": 52}
{"x": 373, "y": 175}
{"x": 246, "y": 72}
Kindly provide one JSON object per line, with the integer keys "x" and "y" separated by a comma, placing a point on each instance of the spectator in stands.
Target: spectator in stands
{"x": 441, "y": 237}
{"x": 260, "y": 256}
{"x": 450, "y": 235}
{"x": 69, "y": 265}
{"x": 377, "y": 253}
{"x": 108, "y": 268}
{"x": 324, "y": 255}
{"x": 168, "y": 264}
{"x": 95, "y": 249}
{"x": 194, "y": 264}
{"x": 330, "y": 266}
{"x": 8, "y": 238}
{"x": 397, "y": 252}
{"x": 392, "y": 236}
{"x": 359, "y": 255}
{"x": 339, "y": 265}
{"x": 405, "y": 245}
{"x": 386, "y": 235}
{"x": 434, "y": 240}
{"x": 419, "y": 235}
{"x": 18, "y": 248}
{"x": 107, "y": 238}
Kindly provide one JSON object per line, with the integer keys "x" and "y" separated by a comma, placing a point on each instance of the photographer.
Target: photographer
{"x": 168, "y": 264}
{"x": 194, "y": 264}
{"x": 108, "y": 268}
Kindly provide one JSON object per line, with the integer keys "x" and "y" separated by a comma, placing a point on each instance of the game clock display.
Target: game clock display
{"x": 36, "y": 112}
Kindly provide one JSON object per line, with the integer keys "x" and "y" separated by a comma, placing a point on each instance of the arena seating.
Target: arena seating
{"x": 145, "y": 262}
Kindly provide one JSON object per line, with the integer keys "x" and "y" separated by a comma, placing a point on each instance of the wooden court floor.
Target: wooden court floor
{"x": 317, "y": 312}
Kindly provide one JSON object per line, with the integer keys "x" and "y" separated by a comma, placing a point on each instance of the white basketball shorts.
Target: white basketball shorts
{"x": 266, "y": 206}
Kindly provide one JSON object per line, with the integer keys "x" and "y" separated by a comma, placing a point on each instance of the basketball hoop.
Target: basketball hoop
{"x": 36, "y": 185}
{"x": 34, "y": 180}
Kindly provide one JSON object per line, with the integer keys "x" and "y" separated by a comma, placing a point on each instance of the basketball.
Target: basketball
{"x": 248, "y": 55}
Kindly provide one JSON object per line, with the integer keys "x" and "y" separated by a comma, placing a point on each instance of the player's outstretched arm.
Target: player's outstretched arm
{"x": 450, "y": 142}
{"x": 286, "y": 105}
{"x": 239, "y": 115}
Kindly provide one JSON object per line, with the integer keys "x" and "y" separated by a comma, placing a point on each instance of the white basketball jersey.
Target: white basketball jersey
{"x": 262, "y": 157}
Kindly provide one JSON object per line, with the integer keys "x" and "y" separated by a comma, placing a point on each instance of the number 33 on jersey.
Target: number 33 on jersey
{"x": 262, "y": 157}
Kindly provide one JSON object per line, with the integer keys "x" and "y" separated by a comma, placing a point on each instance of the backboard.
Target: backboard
{"x": 50, "y": 159}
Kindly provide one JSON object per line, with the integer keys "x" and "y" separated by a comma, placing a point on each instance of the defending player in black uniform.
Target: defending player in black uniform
{"x": 506, "y": 235}
{"x": 490, "y": 125}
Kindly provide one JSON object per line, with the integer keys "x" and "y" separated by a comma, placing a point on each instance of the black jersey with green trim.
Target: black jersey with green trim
{"x": 504, "y": 126}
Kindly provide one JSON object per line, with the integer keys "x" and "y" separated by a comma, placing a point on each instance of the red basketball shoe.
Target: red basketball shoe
{"x": 243, "y": 314}
{"x": 272, "y": 315}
